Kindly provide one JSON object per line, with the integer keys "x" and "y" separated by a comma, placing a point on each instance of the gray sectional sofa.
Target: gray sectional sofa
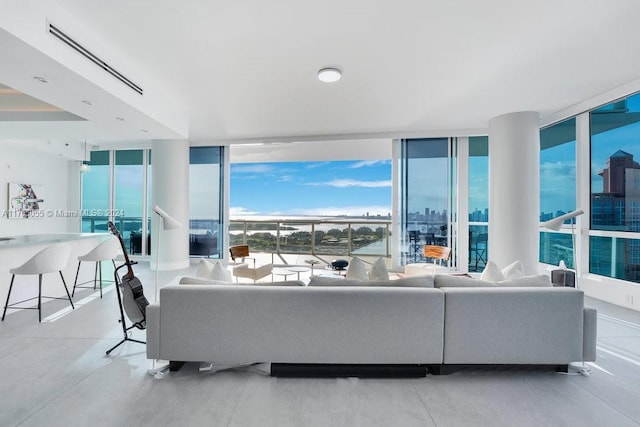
{"x": 390, "y": 323}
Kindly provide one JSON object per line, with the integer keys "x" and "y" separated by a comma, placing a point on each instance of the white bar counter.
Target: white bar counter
{"x": 16, "y": 250}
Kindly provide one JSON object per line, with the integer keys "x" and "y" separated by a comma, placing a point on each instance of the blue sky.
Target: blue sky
{"x": 311, "y": 188}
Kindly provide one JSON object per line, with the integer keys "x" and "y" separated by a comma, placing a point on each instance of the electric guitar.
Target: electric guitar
{"x": 133, "y": 299}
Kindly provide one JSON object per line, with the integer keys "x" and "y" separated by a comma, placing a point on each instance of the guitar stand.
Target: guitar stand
{"x": 122, "y": 320}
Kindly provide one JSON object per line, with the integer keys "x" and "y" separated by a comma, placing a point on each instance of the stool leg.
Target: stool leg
{"x": 75, "y": 282}
{"x": 100, "y": 264}
{"x": 39, "y": 297}
{"x": 13, "y": 276}
{"x": 95, "y": 276}
{"x": 66, "y": 289}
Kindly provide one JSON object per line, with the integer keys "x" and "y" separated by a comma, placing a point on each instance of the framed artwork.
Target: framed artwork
{"x": 25, "y": 201}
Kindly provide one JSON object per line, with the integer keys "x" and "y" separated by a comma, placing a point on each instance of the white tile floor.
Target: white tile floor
{"x": 56, "y": 374}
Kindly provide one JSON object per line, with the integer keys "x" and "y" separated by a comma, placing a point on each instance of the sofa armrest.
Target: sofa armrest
{"x": 590, "y": 333}
{"x": 152, "y": 315}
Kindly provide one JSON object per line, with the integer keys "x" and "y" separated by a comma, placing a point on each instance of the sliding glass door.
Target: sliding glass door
{"x": 426, "y": 196}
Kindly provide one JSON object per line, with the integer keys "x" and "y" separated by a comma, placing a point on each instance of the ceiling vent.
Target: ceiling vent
{"x": 55, "y": 31}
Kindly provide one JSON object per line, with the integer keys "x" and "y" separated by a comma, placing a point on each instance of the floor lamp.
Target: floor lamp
{"x": 168, "y": 223}
{"x": 556, "y": 223}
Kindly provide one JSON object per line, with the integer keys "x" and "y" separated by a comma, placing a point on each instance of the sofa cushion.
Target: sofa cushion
{"x": 335, "y": 281}
{"x": 424, "y": 281}
{"x": 492, "y": 273}
{"x": 513, "y": 270}
{"x": 407, "y": 282}
{"x": 202, "y": 281}
{"x": 541, "y": 280}
{"x": 379, "y": 270}
{"x": 278, "y": 283}
{"x": 451, "y": 281}
{"x": 357, "y": 270}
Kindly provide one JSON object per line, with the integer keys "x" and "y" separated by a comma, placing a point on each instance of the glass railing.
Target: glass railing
{"x": 556, "y": 247}
{"x": 314, "y": 237}
{"x": 478, "y": 245}
{"x": 615, "y": 257}
{"x": 203, "y": 234}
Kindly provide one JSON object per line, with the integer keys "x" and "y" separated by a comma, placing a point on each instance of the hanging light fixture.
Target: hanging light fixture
{"x": 85, "y": 163}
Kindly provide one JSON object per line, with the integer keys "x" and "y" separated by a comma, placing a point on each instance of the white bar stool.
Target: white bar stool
{"x": 106, "y": 250}
{"x": 49, "y": 260}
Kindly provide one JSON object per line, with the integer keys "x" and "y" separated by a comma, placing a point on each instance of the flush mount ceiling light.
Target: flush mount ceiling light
{"x": 329, "y": 75}
{"x": 40, "y": 79}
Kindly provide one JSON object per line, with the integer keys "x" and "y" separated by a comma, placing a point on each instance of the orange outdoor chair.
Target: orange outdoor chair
{"x": 437, "y": 253}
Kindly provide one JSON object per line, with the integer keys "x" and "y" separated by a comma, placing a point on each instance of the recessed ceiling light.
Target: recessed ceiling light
{"x": 120, "y": 118}
{"x": 84, "y": 101}
{"x": 329, "y": 75}
{"x": 144, "y": 130}
{"x": 40, "y": 79}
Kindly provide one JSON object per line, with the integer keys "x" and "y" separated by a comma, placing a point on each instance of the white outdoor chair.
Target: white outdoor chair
{"x": 49, "y": 260}
{"x": 248, "y": 271}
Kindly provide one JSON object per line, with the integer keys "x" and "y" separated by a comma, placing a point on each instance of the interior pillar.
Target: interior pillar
{"x": 170, "y": 192}
{"x": 514, "y": 189}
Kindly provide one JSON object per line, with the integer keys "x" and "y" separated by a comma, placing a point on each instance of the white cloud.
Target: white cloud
{"x": 240, "y": 211}
{"x": 252, "y": 168}
{"x": 364, "y": 163}
{"x": 343, "y": 183}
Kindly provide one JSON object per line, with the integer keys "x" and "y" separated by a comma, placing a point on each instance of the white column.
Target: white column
{"x": 396, "y": 182}
{"x": 514, "y": 189}
{"x": 583, "y": 193}
{"x": 463, "y": 204}
{"x": 170, "y": 191}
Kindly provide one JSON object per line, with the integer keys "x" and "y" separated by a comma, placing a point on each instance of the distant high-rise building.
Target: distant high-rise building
{"x": 615, "y": 173}
{"x": 618, "y": 208}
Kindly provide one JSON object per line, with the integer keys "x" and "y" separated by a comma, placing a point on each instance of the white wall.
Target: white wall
{"x": 27, "y": 166}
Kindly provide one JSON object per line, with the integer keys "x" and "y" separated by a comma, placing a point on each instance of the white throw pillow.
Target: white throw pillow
{"x": 513, "y": 270}
{"x": 379, "y": 270}
{"x": 357, "y": 270}
{"x": 204, "y": 269}
{"x": 492, "y": 273}
{"x": 218, "y": 272}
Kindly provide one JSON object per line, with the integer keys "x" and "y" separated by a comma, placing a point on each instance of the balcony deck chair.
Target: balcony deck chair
{"x": 480, "y": 248}
{"x": 248, "y": 270}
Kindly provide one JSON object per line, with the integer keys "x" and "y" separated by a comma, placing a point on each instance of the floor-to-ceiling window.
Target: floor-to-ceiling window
{"x": 96, "y": 192}
{"x": 205, "y": 195}
{"x": 129, "y": 195}
{"x": 557, "y": 188}
{"x": 615, "y": 190}
{"x": 426, "y": 195}
{"x": 117, "y": 187}
{"x": 478, "y": 202}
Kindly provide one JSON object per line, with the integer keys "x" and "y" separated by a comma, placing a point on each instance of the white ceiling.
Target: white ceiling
{"x": 246, "y": 70}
